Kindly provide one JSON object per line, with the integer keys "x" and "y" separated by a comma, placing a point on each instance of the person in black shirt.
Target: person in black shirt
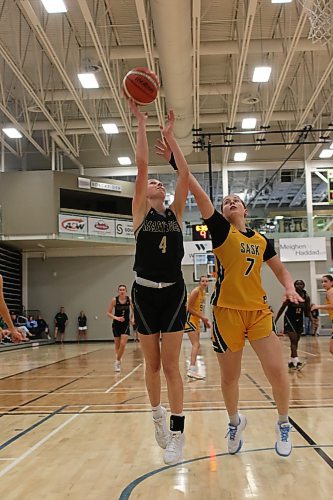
{"x": 158, "y": 293}
{"x": 120, "y": 310}
{"x": 60, "y": 322}
{"x": 82, "y": 329}
{"x": 293, "y": 322}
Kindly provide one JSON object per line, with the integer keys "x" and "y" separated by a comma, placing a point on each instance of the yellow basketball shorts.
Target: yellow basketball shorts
{"x": 192, "y": 323}
{"x": 231, "y": 325}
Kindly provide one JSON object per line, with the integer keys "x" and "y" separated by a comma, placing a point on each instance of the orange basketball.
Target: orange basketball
{"x": 141, "y": 85}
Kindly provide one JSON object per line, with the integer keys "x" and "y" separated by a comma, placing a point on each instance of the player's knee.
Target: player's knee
{"x": 171, "y": 370}
{"x": 153, "y": 367}
{"x": 229, "y": 379}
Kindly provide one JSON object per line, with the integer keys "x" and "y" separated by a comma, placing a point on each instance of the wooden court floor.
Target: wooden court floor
{"x": 72, "y": 428}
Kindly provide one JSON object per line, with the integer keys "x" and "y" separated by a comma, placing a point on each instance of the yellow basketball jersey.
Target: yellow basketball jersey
{"x": 330, "y": 311}
{"x": 199, "y": 301}
{"x": 239, "y": 260}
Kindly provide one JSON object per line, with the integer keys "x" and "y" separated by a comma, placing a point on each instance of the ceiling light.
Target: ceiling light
{"x": 249, "y": 123}
{"x": 331, "y": 146}
{"x": 88, "y": 80}
{"x": 125, "y": 160}
{"x": 110, "y": 128}
{"x": 242, "y": 156}
{"x": 261, "y": 74}
{"x": 12, "y": 133}
{"x": 326, "y": 153}
{"x": 278, "y": 217}
{"x": 54, "y": 6}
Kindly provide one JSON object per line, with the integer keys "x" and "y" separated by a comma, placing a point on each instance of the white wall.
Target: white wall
{"x": 78, "y": 283}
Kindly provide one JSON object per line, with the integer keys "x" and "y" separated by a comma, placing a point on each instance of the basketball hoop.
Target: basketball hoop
{"x": 320, "y": 13}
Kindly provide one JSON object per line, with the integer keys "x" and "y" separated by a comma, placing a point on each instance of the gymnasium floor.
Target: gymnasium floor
{"x": 72, "y": 428}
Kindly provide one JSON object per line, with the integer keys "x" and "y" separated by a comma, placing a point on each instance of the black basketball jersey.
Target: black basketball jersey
{"x": 122, "y": 309}
{"x": 159, "y": 248}
{"x": 295, "y": 312}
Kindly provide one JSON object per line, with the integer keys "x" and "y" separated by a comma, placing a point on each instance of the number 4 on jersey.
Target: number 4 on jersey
{"x": 251, "y": 262}
{"x": 163, "y": 245}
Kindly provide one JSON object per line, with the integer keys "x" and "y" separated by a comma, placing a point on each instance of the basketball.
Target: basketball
{"x": 141, "y": 85}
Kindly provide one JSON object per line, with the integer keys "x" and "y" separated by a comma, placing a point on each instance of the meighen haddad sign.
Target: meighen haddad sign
{"x": 302, "y": 249}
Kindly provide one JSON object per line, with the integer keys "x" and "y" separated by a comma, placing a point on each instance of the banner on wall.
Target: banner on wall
{"x": 74, "y": 224}
{"x": 124, "y": 229}
{"x": 99, "y": 226}
{"x": 302, "y": 249}
{"x": 195, "y": 247}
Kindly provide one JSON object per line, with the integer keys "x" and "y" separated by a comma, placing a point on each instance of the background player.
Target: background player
{"x": 195, "y": 308}
{"x": 120, "y": 310}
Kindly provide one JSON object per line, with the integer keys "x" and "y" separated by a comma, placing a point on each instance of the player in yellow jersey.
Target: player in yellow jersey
{"x": 195, "y": 309}
{"x": 240, "y": 306}
{"x": 327, "y": 282}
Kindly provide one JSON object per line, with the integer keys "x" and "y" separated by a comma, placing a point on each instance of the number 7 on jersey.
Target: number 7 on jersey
{"x": 250, "y": 267}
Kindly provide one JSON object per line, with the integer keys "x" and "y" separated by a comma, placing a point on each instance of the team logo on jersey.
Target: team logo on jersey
{"x": 249, "y": 248}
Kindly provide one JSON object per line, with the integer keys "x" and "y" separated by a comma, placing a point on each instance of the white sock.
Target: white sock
{"x": 157, "y": 411}
{"x": 234, "y": 419}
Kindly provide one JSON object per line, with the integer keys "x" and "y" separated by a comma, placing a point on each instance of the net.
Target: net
{"x": 320, "y": 14}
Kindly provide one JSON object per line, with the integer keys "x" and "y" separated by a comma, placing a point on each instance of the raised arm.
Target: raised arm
{"x": 181, "y": 190}
{"x": 205, "y": 205}
{"x": 139, "y": 203}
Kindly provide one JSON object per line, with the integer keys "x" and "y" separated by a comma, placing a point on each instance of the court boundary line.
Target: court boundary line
{"x": 299, "y": 429}
{"x": 49, "y": 364}
{"x": 121, "y": 380}
{"x": 125, "y": 494}
{"x": 28, "y": 429}
{"x": 39, "y": 443}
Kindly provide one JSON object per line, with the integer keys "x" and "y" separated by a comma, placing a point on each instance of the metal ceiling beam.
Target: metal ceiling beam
{"x": 9, "y": 147}
{"x": 34, "y": 22}
{"x": 226, "y": 47}
{"x": 28, "y": 87}
{"x": 302, "y": 120}
{"x": 106, "y": 68}
{"x": 250, "y": 16}
{"x": 22, "y": 129}
{"x": 285, "y": 68}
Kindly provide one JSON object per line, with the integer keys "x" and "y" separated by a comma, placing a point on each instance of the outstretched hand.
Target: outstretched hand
{"x": 162, "y": 148}
{"x": 141, "y": 117}
{"x": 167, "y": 131}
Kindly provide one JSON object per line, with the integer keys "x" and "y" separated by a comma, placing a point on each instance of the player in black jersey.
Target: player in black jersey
{"x": 293, "y": 322}
{"x": 240, "y": 306}
{"x": 120, "y": 310}
{"x": 158, "y": 293}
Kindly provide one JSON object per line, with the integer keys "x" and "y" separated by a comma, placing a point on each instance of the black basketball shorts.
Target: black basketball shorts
{"x": 120, "y": 328}
{"x": 159, "y": 310}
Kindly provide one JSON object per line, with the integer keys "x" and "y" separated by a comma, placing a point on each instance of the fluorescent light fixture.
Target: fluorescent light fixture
{"x": 110, "y": 128}
{"x": 12, "y": 133}
{"x": 88, "y": 80}
{"x": 331, "y": 146}
{"x": 279, "y": 217}
{"x": 249, "y": 123}
{"x": 125, "y": 160}
{"x": 243, "y": 156}
{"x": 281, "y": 1}
{"x": 261, "y": 74}
{"x": 326, "y": 153}
{"x": 54, "y": 6}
